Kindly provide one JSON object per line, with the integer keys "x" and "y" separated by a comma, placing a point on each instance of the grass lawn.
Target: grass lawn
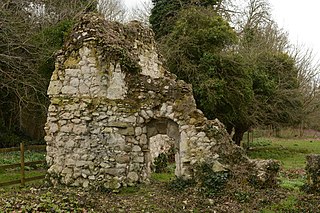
{"x": 292, "y": 155}
{"x": 291, "y": 152}
{"x": 14, "y": 158}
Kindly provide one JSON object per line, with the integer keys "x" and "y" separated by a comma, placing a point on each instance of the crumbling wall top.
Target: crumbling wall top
{"x": 131, "y": 44}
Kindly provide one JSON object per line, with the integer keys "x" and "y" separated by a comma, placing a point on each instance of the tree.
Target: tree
{"x": 20, "y": 84}
{"x": 31, "y": 32}
{"x": 275, "y": 75}
{"x": 142, "y": 12}
{"x": 164, "y": 13}
{"x": 199, "y": 50}
{"x": 243, "y": 79}
{"x": 308, "y": 75}
{"x": 113, "y": 10}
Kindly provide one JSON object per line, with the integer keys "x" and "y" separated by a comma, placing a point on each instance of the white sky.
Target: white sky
{"x": 298, "y": 18}
{"x": 131, "y": 3}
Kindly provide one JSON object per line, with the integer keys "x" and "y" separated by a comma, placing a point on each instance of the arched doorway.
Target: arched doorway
{"x": 163, "y": 129}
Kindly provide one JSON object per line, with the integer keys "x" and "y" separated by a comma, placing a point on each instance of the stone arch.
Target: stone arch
{"x": 164, "y": 126}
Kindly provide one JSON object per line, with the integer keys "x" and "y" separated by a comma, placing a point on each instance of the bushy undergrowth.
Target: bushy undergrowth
{"x": 180, "y": 184}
{"x": 160, "y": 163}
{"x": 209, "y": 181}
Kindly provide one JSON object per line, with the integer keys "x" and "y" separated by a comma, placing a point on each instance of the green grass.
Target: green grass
{"x": 15, "y": 175}
{"x": 286, "y": 205}
{"x": 166, "y": 176}
{"x": 291, "y": 152}
{"x": 14, "y": 158}
{"x": 163, "y": 177}
{"x": 292, "y": 184}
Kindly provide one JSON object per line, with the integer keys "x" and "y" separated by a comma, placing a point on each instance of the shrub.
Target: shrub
{"x": 209, "y": 181}
{"x": 161, "y": 163}
{"x": 180, "y": 184}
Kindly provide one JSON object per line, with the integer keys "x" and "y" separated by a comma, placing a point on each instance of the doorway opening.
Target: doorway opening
{"x": 164, "y": 147}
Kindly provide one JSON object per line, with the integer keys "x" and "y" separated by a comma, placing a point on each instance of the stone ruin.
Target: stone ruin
{"x": 111, "y": 103}
{"x": 313, "y": 173}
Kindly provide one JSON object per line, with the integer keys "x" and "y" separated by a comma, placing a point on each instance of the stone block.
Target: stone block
{"x": 122, "y": 159}
{"x": 144, "y": 114}
{"x": 150, "y": 113}
{"x": 52, "y": 108}
{"x": 85, "y": 184}
{"x": 118, "y": 124}
{"x": 54, "y": 88}
{"x": 81, "y": 163}
{"x": 70, "y": 90}
{"x": 83, "y": 89}
{"x": 138, "y": 159}
{"x": 138, "y": 131}
{"x": 66, "y": 171}
{"x": 74, "y": 82}
{"x": 143, "y": 139}
{"x": 53, "y": 127}
{"x": 72, "y": 72}
{"x": 112, "y": 171}
{"x": 136, "y": 149}
{"x": 127, "y": 131}
{"x": 133, "y": 177}
{"x": 263, "y": 173}
{"x": 130, "y": 119}
{"x": 70, "y": 144}
{"x": 70, "y": 162}
{"x": 107, "y": 130}
{"x": 66, "y": 128}
{"x": 48, "y": 138}
{"x": 313, "y": 172}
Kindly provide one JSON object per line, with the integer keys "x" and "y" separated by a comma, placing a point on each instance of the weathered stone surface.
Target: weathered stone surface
{"x": 123, "y": 159}
{"x": 54, "y": 88}
{"x": 127, "y": 131}
{"x": 264, "y": 173}
{"x": 218, "y": 167}
{"x": 117, "y": 87}
{"x": 313, "y": 172}
{"x": 133, "y": 177}
{"x": 114, "y": 109}
{"x": 118, "y": 124}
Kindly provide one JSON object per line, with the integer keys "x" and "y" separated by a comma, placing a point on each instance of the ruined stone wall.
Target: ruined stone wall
{"x": 109, "y": 95}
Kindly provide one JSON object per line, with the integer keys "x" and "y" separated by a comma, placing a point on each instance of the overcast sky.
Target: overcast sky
{"x": 131, "y": 3}
{"x": 299, "y": 18}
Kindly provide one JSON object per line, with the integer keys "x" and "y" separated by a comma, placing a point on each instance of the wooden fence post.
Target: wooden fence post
{"x": 22, "y": 164}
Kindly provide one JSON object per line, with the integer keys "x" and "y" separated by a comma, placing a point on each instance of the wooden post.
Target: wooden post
{"x": 22, "y": 164}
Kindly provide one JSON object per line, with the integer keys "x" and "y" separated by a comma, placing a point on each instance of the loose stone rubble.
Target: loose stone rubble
{"x": 109, "y": 95}
{"x": 263, "y": 173}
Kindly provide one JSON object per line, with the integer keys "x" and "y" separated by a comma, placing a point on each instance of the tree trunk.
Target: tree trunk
{"x": 238, "y": 135}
